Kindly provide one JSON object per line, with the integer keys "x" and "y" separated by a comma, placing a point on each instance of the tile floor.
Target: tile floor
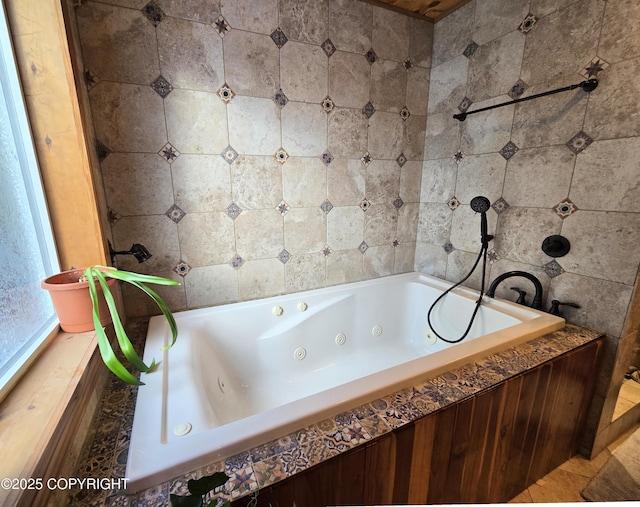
{"x": 628, "y": 397}
{"x": 565, "y": 483}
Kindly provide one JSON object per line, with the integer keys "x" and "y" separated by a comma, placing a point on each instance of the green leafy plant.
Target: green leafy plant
{"x": 200, "y": 489}
{"x": 98, "y": 275}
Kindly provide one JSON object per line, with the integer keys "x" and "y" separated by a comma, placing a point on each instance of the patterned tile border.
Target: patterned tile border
{"x": 268, "y": 463}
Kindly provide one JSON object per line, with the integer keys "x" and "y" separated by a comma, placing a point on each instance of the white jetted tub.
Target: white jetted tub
{"x": 245, "y": 373}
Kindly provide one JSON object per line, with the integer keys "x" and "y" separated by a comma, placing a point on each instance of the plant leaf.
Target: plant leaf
{"x": 108, "y": 357}
{"x": 164, "y": 309}
{"x": 207, "y": 483}
{"x": 128, "y": 276}
{"x": 185, "y": 501}
{"x": 123, "y": 340}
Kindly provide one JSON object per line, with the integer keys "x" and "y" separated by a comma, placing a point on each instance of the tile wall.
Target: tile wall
{"x": 565, "y": 164}
{"x": 258, "y": 147}
{"x": 269, "y": 146}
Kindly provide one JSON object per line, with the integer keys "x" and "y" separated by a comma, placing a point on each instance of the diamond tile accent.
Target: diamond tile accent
{"x": 175, "y": 213}
{"x": 500, "y": 206}
{"x": 464, "y": 106}
{"x": 161, "y": 86}
{"x": 398, "y": 202}
{"x": 233, "y": 210}
{"x": 221, "y": 26}
{"x": 237, "y": 261}
{"x": 366, "y": 159}
{"x": 280, "y": 99}
{"x": 553, "y": 269}
{"x": 368, "y": 110}
{"x": 363, "y": 247}
{"x": 470, "y": 49}
{"x": 226, "y": 93}
{"x": 169, "y": 153}
{"x": 284, "y": 256}
{"x": 371, "y": 56}
{"x": 153, "y": 13}
{"x": 281, "y": 156}
{"x": 579, "y": 142}
{"x": 395, "y": 243}
{"x": 327, "y": 158}
{"x": 326, "y": 206}
{"x": 453, "y": 203}
{"x": 182, "y": 268}
{"x": 404, "y": 113}
{"x": 565, "y": 208}
{"x": 528, "y": 23}
{"x": 90, "y": 78}
{"x": 328, "y": 47}
{"x": 493, "y": 256}
{"x": 327, "y": 104}
{"x": 102, "y": 150}
{"x": 458, "y": 156}
{"x": 518, "y": 89}
{"x": 448, "y": 247}
{"x": 365, "y": 204}
{"x": 596, "y": 66}
{"x": 283, "y": 208}
{"x": 401, "y": 160}
{"x": 508, "y": 150}
{"x": 326, "y": 251}
{"x": 278, "y": 37}
{"x": 408, "y": 64}
{"x": 229, "y": 154}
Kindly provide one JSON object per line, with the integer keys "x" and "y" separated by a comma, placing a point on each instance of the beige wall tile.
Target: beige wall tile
{"x": 206, "y": 238}
{"x": 128, "y": 117}
{"x": 304, "y": 129}
{"x": 260, "y": 16}
{"x": 304, "y": 182}
{"x": 351, "y": 25}
{"x": 201, "y": 183}
{"x": 304, "y": 69}
{"x": 251, "y": 63}
{"x": 147, "y": 179}
{"x": 190, "y": 55}
{"x": 259, "y": 234}
{"x": 118, "y": 44}
{"x": 254, "y": 125}
{"x": 196, "y": 122}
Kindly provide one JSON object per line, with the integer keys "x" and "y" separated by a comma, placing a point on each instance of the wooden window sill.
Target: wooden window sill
{"x": 38, "y": 410}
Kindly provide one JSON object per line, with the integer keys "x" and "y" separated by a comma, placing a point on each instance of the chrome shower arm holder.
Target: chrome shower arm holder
{"x": 587, "y": 86}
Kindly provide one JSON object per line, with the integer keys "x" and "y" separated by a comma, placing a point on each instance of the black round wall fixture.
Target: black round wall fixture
{"x": 556, "y": 246}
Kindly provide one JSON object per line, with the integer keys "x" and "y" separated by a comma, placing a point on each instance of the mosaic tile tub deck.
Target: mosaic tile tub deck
{"x": 105, "y": 454}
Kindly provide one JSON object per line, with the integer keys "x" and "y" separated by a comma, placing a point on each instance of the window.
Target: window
{"x": 27, "y": 250}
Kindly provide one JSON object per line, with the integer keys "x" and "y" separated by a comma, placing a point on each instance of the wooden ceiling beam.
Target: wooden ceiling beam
{"x": 431, "y": 10}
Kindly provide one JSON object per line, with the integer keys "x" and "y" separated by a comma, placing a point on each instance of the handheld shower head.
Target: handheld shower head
{"x": 480, "y": 204}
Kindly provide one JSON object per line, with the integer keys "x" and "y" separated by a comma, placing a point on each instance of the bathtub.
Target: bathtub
{"x": 243, "y": 374}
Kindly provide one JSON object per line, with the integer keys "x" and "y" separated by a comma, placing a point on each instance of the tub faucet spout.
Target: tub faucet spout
{"x": 537, "y": 298}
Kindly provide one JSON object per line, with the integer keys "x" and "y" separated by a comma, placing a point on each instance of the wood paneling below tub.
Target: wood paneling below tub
{"x": 484, "y": 449}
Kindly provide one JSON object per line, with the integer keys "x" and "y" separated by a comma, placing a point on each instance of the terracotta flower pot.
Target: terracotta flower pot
{"x": 72, "y": 301}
